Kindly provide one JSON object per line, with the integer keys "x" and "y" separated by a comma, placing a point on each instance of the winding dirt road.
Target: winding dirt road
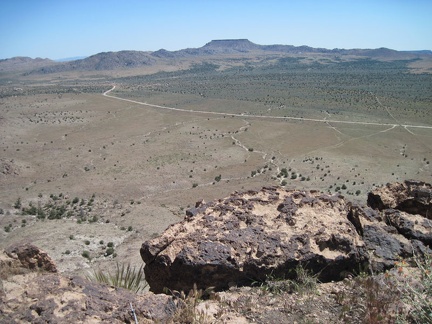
{"x": 406, "y": 126}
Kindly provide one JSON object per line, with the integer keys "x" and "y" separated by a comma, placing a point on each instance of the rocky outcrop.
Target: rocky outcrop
{"x": 31, "y": 257}
{"x": 413, "y": 197}
{"x": 251, "y": 235}
{"x": 41, "y": 296}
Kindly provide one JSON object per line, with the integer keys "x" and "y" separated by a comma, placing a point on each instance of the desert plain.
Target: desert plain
{"x": 95, "y": 162}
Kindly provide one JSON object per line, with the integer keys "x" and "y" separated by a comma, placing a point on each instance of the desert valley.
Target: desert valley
{"x": 102, "y": 154}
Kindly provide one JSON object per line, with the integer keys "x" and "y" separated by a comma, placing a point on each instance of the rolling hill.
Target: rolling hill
{"x": 216, "y": 48}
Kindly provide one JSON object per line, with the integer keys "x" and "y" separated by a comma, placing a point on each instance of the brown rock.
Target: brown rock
{"x": 31, "y": 257}
{"x": 250, "y": 235}
{"x": 413, "y": 197}
{"x": 37, "y": 297}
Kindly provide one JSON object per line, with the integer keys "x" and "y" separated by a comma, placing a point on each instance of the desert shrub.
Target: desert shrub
{"x": 284, "y": 173}
{"x": 418, "y": 294}
{"x": 187, "y": 310}
{"x": 86, "y": 254}
{"x": 125, "y": 276}
{"x": 402, "y": 295}
{"x": 109, "y": 251}
{"x": 17, "y": 204}
{"x": 372, "y": 300}
{"x": 110, "y": 244}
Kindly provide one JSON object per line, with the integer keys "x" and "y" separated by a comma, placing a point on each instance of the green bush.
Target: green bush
{"x": 109, "y": 251}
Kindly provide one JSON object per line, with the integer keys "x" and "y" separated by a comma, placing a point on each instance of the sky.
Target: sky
{"x": 69, "y": 28}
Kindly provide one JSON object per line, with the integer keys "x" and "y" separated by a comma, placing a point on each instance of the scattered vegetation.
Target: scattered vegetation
{"x": 402, "y": 295}
{"x": 58, "y": 207}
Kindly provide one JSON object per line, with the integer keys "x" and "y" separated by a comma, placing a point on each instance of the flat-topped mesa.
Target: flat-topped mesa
{"x": 251, "y": 235}
{"x": 232, "y": 44}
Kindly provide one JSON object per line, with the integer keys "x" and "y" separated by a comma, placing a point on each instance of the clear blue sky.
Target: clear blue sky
{"x": 67, "y": 28}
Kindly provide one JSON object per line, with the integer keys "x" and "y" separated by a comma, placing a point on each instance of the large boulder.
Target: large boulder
{"x": 255, "y": 234}
{"x": 249, "y": 236}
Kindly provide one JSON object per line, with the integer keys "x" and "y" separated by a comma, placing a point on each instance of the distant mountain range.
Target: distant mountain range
{"x": 227, "y": 47}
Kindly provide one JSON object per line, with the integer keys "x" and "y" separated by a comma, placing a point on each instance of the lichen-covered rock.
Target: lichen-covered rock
{"x": 251, "y": 235}
{"x": 31, "y": 257}
{"x": 413, "y": 197}
{"x": 37, "y": 296}
{"x": 52, "y": 298}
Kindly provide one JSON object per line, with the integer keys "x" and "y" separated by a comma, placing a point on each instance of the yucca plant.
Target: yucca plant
{"x": 125, "y": 276}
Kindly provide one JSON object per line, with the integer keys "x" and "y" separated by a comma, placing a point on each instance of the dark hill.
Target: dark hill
{"x": 223, "y": 48}
{"x": 231, "y": 45}
{"x": 20, "y": 63}
{"x": 103, "y": 61}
